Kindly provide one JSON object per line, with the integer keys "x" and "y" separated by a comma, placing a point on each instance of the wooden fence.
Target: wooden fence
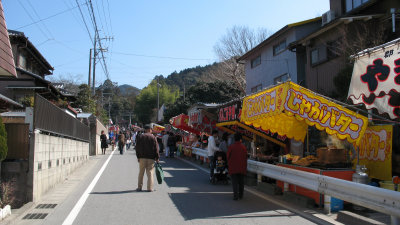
{"x": 17, "y": 140}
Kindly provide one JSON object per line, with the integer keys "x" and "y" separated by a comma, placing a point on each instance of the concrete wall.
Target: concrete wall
{"x": 54, "y": 159}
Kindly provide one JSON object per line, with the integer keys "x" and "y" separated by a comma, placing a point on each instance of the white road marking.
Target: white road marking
{"x": 78, "y": 206}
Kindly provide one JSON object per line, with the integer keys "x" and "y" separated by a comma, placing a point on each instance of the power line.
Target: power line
{"x": 49, "y": 17}
{"x": 160, "y": 57}
{"x": 37, "y": 15}
{"x": 97, "y": 35}
{"x": 84, "y": 21}
{"x": 27, "y": 12}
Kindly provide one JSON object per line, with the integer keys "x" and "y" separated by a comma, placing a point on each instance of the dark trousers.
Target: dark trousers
{"x": 237, "y": 185}
{"x": 172, "y": 149}
{"x": 212, "y": 166}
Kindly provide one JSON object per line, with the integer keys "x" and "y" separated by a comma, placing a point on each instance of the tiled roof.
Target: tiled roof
{"x": 7, "y": 66}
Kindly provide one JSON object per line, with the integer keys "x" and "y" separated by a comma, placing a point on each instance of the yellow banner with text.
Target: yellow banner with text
{"x": 375, "y": 151}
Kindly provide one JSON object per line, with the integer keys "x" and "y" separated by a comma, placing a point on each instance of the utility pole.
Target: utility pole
{"x": 94, "y": 64}
{"x": 90, "y": 67}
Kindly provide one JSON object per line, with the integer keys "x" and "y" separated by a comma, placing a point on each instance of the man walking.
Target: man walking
{"x": 121, "y": 142}
{"x": 237, "y": 166}
{"x": 147, "y": 152}
{"x": 212, "y": 148}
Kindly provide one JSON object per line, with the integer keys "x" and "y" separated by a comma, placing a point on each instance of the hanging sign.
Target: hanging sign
{"x": 263, "y": 104}
{"x": 376, "y": 81}
{"x": 375, "y": 151}
{"x": 230, "y": 112}
{"x": 325, "y": 115}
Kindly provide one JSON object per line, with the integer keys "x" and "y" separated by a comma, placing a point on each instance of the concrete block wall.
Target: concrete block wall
{"x": 54, "y": 159}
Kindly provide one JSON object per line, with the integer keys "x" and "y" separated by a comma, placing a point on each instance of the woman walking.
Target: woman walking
{"x": 104, "y": 145}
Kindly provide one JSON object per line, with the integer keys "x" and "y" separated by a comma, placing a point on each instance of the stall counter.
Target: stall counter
{"x": 344, "y": 174}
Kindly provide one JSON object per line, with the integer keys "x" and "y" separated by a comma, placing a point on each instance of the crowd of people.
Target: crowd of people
{"x": 148, "y": 147}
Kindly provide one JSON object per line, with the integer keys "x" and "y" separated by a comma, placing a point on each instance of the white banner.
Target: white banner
{"x": 376, "y": 81}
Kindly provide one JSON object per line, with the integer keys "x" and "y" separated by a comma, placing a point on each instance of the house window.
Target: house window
{"x": 352, "y": 4}
{"x": 279, "y": 47}
{"x": 256, "y": 89}
{"x": 281, "y": 78}
{"x": 318, "y": 55}
{"x": 256, "y": 61}
{"x": 22, "y": 61}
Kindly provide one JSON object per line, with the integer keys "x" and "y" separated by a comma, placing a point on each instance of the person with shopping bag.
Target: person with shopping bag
{"x": 147, "y": 152}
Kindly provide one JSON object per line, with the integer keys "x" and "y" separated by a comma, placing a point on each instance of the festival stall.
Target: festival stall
{"x": 289, "y": 110}
{"x": 229, "y": 121}
{"x": 375, "y": 83}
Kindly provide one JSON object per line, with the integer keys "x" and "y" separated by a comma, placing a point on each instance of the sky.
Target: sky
{"x": 149, "y": 37}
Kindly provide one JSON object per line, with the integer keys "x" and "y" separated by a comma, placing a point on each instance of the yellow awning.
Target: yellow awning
{"x": 288, "y": 108}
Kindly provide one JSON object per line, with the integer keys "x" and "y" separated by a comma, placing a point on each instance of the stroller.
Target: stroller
{"x": 220, "y": 168}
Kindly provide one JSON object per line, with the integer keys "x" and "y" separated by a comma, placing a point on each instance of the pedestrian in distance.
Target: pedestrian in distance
{"x": 171, "y": 144}
{"x": 147, "y": 152}
{"x": 165, "y": 143}
{"x": 103, "y": 140}
{"x": 121, "y": 142}
{"x": 212, "y": 148}
{"x": 223, "y": 145}
{"x": 237, "y": 166}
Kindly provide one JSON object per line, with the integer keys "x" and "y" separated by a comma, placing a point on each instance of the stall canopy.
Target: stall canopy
{"x": 287, "y": 109}
{"x": 181, "y": 122}
{"x": 229, "y": 121}
{"x": 376, "y": 79}
{"x": 201, "y": 119}
{"x": 157, "y": 128}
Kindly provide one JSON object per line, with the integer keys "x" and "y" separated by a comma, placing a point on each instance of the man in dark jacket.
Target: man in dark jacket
{"x": 237, "y": 166}
{"x": 147, "y": 152}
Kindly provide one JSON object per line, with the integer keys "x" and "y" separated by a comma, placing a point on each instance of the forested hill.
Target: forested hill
{"x": 126, "y": 89}
{"x": 189, "y": 76}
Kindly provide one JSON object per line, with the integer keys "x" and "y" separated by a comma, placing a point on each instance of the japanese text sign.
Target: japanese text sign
{"x": 375, "y": 151}
{"x": 229, "y": 112}
{"x": 263, "y": 104}
{"x": 376, "y": 81}
{"x": 325, "y": 115}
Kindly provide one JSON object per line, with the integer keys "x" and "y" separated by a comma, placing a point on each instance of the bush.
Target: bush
{"x": 7, "y": 193}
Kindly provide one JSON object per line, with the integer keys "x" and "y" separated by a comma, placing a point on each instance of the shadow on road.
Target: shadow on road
{"x": 204, "y": 200}
{"x": 113, "y": 192}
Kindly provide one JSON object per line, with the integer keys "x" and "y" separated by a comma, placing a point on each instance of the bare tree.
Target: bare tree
{"x": 71, "y": 82}
{"x": 236, "y": 42}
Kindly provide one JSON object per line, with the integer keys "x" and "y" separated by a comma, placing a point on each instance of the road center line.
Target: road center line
{"x": 78, "y": 206}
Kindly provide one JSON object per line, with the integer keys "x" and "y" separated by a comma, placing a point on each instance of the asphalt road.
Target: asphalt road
{"x": 186, "y": 197}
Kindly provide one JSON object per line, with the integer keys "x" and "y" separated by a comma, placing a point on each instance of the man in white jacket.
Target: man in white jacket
{"x": 212, "y": 148}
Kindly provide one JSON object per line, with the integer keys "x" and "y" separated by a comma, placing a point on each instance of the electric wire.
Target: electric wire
{"x": 160, "y": 57}
{"x": 84, "y": 21}
{"x": 49, "y": 17}
{"x": 42, "y": 22}
{"x": 37, "y": 25}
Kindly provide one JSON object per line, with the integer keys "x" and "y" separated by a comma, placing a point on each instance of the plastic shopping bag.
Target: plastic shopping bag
{"x": 159, "y": 173}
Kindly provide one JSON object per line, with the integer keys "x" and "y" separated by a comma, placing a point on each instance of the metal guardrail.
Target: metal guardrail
{"x": 379, "y": 199}
{"x": 200, "y": 152}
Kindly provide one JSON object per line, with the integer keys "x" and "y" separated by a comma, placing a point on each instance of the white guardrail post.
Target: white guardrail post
{"x": 378, "y": 199}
